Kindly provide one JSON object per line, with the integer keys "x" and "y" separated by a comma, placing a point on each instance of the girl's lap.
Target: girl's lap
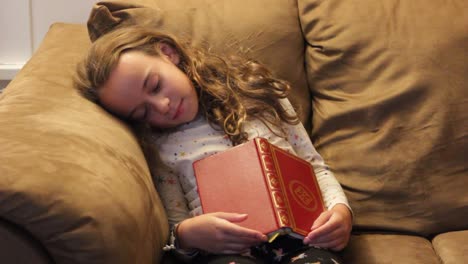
{"x": 282, "y": 251}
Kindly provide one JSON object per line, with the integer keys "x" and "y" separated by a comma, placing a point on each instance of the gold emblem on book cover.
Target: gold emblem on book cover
{"x": 303, "y": 195}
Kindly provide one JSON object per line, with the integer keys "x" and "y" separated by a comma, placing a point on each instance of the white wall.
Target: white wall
{"x": 23, "y": 24}
{"x": 46, "y": 12}
{"x": 15, "y": 45}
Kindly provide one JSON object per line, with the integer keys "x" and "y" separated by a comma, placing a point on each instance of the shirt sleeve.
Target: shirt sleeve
{"x": 172, "y": 195}
{"x": 298, "y": 142}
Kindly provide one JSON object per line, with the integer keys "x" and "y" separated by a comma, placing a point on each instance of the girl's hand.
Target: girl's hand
{"x": 331, "y": 229}
{"x": 217, "y": 233}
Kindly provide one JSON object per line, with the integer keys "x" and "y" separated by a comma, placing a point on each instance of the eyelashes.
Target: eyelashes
{"x": 157, "y": 87}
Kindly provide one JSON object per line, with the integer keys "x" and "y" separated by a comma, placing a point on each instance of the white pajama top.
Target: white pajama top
{"x": 192, "y": 141}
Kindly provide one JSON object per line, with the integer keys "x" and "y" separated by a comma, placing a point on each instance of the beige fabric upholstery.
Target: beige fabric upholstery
{"x": 71, "y": 174}
{"x": 452, "y": 247}
{"x": 389, "y": 82}
{"x": 389, "y": 249}
{"x": 386, "y": 81}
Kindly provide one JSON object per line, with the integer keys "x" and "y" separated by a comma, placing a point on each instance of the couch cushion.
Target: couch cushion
{"x": 389, "y": 82}
{"x": 389, "y": 249}
{"x": 272, "y": 36}
{"x": 452, "y": 247}
{"x": 72, "y": 175}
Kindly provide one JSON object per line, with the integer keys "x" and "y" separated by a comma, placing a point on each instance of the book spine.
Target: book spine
{"x": 274, "y": 183}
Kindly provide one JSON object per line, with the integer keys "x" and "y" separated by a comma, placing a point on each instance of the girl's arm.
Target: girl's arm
{"x": 172, "y": 195}
{"x": 332, "y": 229}
{"x": 218, "y": 233}
{"x": 299, "y": 143}
{"x": 214, "y": 233}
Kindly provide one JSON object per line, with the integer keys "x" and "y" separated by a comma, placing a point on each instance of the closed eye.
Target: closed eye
{"x": 156, "y": 87}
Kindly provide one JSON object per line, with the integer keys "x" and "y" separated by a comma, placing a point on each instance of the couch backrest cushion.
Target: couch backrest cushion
{"x": 267, "y": 30}
{"x": 389, "y": 83}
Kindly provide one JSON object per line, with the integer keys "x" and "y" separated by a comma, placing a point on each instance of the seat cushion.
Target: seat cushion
{"x": 389, "y": 249}
{"x": 390, "y": 111}
{"x": 72, "y": 175}
{"x": 452, "y": 247}
{"x": 266, "y": 30}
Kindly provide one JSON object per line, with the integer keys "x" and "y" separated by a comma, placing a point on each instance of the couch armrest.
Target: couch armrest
{"x": 72, "y": 175}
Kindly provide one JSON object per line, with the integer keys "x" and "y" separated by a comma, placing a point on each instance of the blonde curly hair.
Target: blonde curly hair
{"x": 230, "y": 90}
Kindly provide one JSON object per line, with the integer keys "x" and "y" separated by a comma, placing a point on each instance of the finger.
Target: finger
{"x": 336, "y": 241}
{"x": 321, "y": 231}
{"x": 244, "y": 233}
{"x": 321, "y": 220}
{"x": 335, "y": 234}
{"x": 231, "y": 217}
{"x": 248, "y": 240}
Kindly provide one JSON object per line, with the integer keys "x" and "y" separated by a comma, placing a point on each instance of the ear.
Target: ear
{"x": 170, "y": 52}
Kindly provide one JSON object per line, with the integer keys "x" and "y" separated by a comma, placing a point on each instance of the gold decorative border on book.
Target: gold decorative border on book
{"x": 299, "y": 191}
{"x": 275, "y": 184}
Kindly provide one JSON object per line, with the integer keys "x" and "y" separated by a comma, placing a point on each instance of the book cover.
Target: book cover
{"x": 278, "y": 190}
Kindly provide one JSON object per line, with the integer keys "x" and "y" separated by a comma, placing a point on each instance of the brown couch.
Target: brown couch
{"x": 383, "y": 90}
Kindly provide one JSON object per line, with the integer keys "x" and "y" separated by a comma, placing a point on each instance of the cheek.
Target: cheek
{"x": 194, "y": 105}
{"x": 157, "y": 121}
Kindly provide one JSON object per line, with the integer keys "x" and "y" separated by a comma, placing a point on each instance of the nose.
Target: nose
{"x": 160, "y": 104}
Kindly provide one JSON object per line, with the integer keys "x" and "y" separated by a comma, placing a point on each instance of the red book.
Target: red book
{"x": 278, "y": 190}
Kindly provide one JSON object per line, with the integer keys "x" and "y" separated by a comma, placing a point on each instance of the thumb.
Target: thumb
{"x": 231, "y": 217}
{"x": 321, "y": 220}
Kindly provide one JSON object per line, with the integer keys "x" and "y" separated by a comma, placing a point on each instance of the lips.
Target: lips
{"x": 179, "y": 110}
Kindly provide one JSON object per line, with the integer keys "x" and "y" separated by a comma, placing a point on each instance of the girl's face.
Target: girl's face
{"x": 151, "y": 89}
